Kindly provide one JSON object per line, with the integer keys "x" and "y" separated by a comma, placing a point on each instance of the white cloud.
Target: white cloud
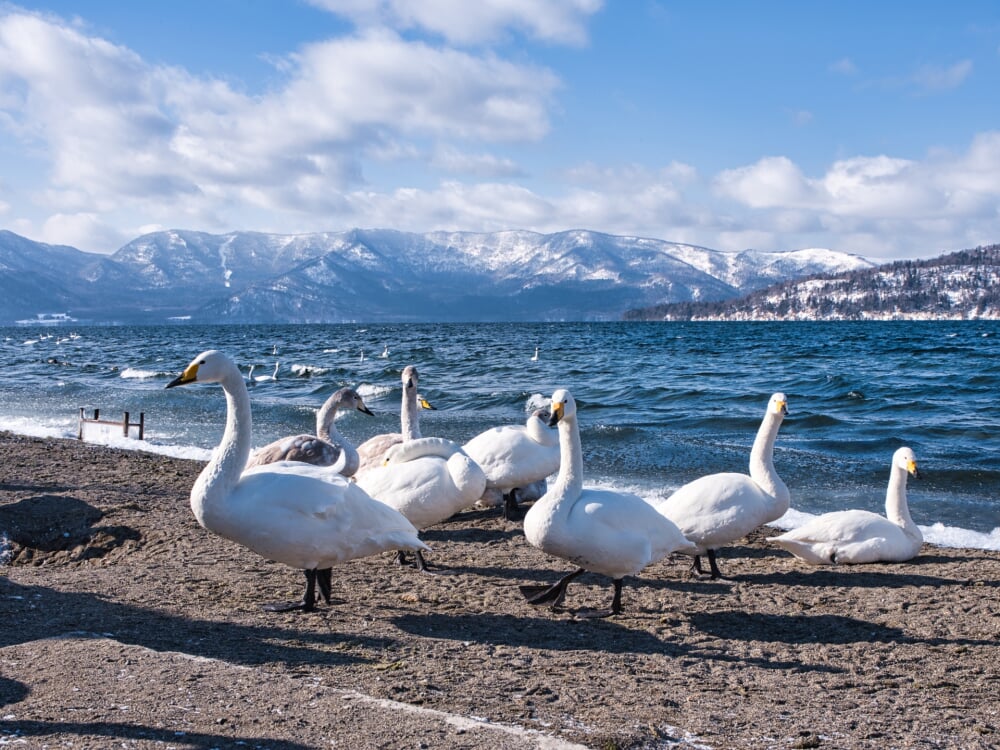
{"x": 481, "y": 21}
{"x": 844, "y": 66}
{"x": 934, "y": 78}
{"x": 120, "y": 135}
{"x": 773, "y": 181}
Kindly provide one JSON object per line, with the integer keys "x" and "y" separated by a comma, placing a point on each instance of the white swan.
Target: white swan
{"x": 297, "y": 514}
{"x": 372, "y": 451}
{"x": 327, "y": 447}
{"x": 859, "y": 536}
{"x": 385, "y": 352}
{"x": 516, "y": 456}
{"x": 428, "y": 480}
{"x": 535, "y": 357}
{"x": 265, "y": 378}
{"x": 604, "y": 531}
{"x": 717, "y": 509}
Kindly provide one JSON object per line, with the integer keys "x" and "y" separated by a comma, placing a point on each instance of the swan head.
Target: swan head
{"x": 409, "y": 377}
{"x": 348, "y": 398}
{"x": 424, "y": 403}
{"x": 905, "y": 459}
{"x": 563, "y": 407}
{"x": 211, "y": 366}
{"x": 778, "y": 405}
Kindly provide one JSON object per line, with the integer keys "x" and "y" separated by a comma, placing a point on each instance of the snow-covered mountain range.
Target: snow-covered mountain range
{"x": 963, "y": 285}
{"x": 383, "y": 276}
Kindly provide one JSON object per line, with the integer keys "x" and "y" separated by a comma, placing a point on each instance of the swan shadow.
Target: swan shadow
{"x": 51, "y": 523}
{"x": 841, "y": 577}
{"x": 810, "y": 629}
{"x": 140, "y": 733}
{"x": 42, "y": 612}
{"x": 12, "y": 691}
{"x": 472, "y": 535}
{"x": 552, "y": 633}
{"x": 564, "y": 634}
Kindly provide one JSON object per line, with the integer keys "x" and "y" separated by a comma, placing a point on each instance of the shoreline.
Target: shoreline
{"x": 135, "y": 624}
{"x": 936, "y": 534}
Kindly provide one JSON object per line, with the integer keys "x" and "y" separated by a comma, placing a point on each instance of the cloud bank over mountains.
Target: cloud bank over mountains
{"x": 427, "y": 117}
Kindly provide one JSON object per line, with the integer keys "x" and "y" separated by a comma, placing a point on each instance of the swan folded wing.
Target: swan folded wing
{"x": 372, "y": 451}
{"x": 849, "y": 537}
{"x": 729, "y": 501}
{"x": 622, "y": 519}
{"x": 303, "y": 448}
{"x": 317, "y": 519}
{"x": 410, "y": 450}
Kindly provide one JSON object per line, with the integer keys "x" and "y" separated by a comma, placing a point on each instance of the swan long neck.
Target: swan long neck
{"x": 540, "y": 433}
{"x": 569, "y": 481}
{"x": 762, "y": 460}
{"x": 230, "y": 457}
{"x": 409, "y": 415}
{"x": 326, "y": 427}
{"x": 896, "y": 508}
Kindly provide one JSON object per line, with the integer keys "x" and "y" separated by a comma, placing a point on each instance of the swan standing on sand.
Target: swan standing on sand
{"x": 516, "y": 456}
{"x": 297, "y": 514}
{"x": 327, "y": 447}
{"x": 428, "y": 480}
{"x": 849, "y": 537}
{"x": 612, "y": 533}
{"x": 373, "y": 450}
{"x": 717, "y": 509}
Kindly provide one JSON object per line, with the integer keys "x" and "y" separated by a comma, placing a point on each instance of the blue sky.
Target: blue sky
{"x": 871, "y": 128}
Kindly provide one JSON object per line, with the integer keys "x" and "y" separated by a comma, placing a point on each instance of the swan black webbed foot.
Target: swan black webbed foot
{"x": 553, "y": 595}
{"x": 321, "y": 577}
{"x": 714, "y": 572}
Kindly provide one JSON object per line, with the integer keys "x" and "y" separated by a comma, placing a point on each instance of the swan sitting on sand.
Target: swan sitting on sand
{"x": 301, "y": 515}
{"x": 850, "y": 537}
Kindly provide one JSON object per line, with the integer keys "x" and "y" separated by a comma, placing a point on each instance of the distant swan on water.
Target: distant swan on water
{"x": 304, "y": 516}
{"x": 265, "y": 378}
{"x": 535, "y": 357}
{"x": 385, "y": 352}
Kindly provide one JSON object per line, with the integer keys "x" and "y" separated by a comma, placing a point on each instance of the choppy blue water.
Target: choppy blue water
{"x": 660, "y": 403}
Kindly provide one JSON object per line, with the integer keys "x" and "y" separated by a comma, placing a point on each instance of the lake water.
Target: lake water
{"x": 660, "y": 403}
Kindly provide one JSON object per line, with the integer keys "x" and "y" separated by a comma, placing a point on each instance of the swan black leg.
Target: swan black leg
{"x": 713, "y": 566}
{"x": 551, "y": 595}
{"x": 616, "y": 604}
{"x": 308, "y": 603}
{"x": 510, "y": 508}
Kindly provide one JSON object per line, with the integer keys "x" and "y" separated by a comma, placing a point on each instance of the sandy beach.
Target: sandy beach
{"x": 125, "y": 624}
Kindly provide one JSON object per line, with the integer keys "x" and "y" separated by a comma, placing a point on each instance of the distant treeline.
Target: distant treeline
{"x": 964, "y": 284}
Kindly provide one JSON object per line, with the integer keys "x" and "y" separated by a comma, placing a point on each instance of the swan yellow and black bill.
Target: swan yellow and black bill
{"x": 188, "y": 376}
{"x": 424, "y": 403}
{"x": 557, "y": 413}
